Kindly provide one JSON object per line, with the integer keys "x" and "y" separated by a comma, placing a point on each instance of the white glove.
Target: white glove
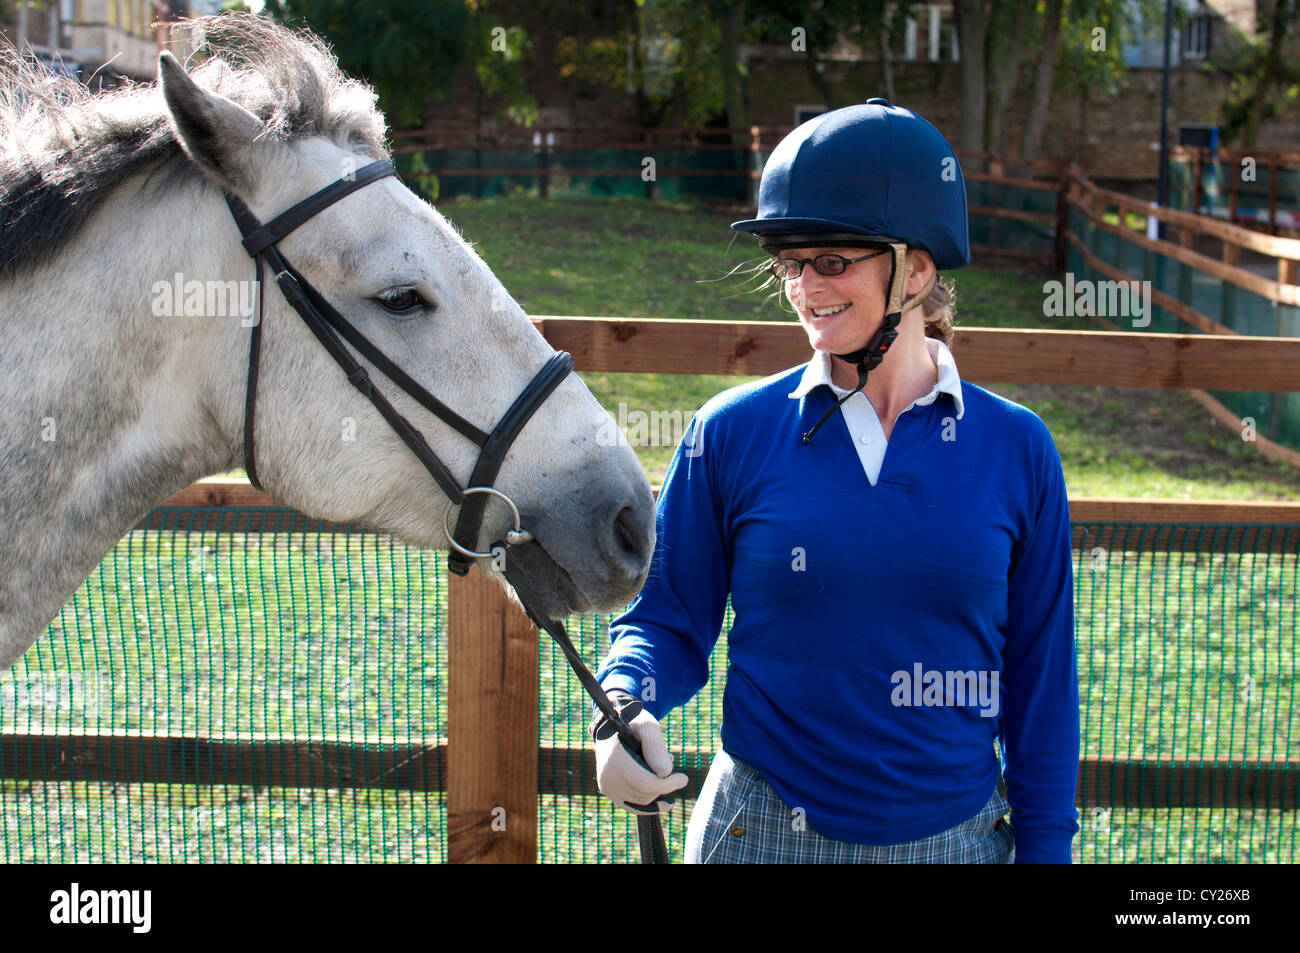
{"x": 619, "y": 775}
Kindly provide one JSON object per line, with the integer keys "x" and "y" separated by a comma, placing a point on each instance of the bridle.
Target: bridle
{"x": 260, "y": 241}
{"x": 329, "y": 326}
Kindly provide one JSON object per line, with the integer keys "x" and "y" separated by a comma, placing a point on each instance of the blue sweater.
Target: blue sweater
{"x": 884, "y": 635}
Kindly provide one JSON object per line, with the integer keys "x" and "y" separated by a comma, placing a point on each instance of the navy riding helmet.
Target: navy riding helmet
{"x": 860, "y": 176}
{"x": 874, "y": 170}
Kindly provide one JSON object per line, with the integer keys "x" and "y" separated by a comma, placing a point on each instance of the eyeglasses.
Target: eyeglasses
{"x": 828, "y": 265}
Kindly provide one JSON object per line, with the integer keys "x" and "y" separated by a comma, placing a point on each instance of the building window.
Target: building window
{"x": 803, "y": 113}
{"x": 1196, "y": 38}
{"x": 942, "y": 34}
{"x": 948, "y": 39}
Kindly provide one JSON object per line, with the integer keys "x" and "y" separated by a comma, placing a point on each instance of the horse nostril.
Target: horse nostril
{"x": 629, "y": 534}
{"x": 624, "y": 537}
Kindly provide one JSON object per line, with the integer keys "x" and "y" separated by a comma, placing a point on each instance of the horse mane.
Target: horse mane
{"x": 63, "y": 148}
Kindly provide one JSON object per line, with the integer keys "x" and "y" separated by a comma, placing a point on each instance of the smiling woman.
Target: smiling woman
{"x": 922, "y": 540}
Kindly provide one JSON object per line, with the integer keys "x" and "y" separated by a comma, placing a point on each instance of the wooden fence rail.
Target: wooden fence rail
{"x": 144, "y": 757}
{"x": 1282, "y": 288}
{"x": 1234, "y": 162}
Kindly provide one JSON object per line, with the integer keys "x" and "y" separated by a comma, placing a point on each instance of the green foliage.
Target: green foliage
{"x": 407, "y": 49}
{"x": 676, "y": 73}
{"x": 1263, "y": 82}
{"x": 499, "y": 52}
{"x": 412, "y": 51}
{"x": 1093, "y": 36}
{"x": 671, "y": 58}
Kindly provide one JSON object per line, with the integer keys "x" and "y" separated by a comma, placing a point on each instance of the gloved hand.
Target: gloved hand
{"x": 619, "y": 775}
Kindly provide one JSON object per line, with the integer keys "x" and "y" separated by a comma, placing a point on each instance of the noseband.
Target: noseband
{"x": 331, "y": 329}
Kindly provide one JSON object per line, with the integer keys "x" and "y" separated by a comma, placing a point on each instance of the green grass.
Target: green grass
{"x": 1133, "y": 220}
{"x": 629, "y": 257}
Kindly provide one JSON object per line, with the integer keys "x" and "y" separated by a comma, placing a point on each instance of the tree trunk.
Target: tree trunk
{"x": 1007, "y": 20}
{"x": 887, "y": 60}
{"x": 1044, "y": 75}
{"x": 972, "y": 31}
{"x": 1269, "y": 76}
{"x": 733, "y": 95}
{"x": 818, "y": 79}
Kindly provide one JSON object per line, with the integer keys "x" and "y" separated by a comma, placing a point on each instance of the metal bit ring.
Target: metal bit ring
{"x": 514, "y": 537}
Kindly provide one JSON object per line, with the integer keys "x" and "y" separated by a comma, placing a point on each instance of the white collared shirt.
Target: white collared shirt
{"x": 859, "y": 413}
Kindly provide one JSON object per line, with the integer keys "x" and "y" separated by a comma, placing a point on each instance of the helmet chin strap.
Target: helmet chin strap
{"x": 868, "y": 358}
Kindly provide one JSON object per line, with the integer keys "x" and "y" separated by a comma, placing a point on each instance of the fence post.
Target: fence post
{"x": 492, "y": 736}
{"x": 1196, "y": 180}
{"x": 1063, "y": 178}
{"x": 542, "y": 148}
{"x": 646, "y": 151}
{"x": 1232, "y": 192}
{"x": 1272, "y": 194}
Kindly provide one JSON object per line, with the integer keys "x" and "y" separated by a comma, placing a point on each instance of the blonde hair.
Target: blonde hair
{"x": 940, "y": 310}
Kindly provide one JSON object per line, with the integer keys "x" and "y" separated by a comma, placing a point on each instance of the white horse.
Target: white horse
{"x": 110, "y": 400}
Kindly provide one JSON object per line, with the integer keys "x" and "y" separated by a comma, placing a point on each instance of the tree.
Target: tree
{"x": 1044, "y": 74}
{"x": 412, "y": 50}
{"x": 1080, "y": 43}
{"x": 972, "y": 21}
{"x": 1264, "y": 82}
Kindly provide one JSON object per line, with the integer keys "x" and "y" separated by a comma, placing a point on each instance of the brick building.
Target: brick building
{"x": 111, "y": 40}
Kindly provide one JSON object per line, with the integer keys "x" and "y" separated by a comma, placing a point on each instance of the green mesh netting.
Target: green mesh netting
{"x": 434, "y": 172}
{"x": 1254, "y": 184}
{"x": 332, "y": 646}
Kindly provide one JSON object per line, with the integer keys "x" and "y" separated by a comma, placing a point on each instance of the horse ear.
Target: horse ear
{"x": 214, "y": 131}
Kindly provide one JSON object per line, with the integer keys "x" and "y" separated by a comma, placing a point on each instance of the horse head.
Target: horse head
{"x": 152, "y": 399}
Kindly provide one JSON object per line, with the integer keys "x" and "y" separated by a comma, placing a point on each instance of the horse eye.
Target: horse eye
{"x": 401, "y": 301}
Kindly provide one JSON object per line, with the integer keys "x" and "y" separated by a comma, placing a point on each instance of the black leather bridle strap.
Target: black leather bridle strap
{"x": 649, "y": 829}
{"x": 254, "y": 364}
{"x": 390, "y": 370}
{"x": 494, "y": 452}
{"x": 258, "y": 236}
{"x": 293, "y": 287}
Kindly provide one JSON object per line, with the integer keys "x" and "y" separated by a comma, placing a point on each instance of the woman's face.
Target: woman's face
{"x": 852, "y": 304}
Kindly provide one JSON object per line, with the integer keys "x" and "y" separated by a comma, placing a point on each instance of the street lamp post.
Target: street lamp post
{"x": 1162, "y": 182}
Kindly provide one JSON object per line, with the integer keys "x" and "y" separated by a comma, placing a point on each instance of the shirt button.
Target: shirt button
{"x": 866, "y": 438}
{"x": 737, "y": 832}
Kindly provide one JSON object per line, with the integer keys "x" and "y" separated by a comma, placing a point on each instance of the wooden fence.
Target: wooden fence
{"x": 492, "y": 759}
{"x": 753, "y": 143}
{"x": 1262, "y": 163}
{"x": 1273, "y": 277}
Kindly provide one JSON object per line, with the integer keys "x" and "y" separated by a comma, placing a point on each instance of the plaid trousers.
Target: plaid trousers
{"x": 739, "y": 819}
